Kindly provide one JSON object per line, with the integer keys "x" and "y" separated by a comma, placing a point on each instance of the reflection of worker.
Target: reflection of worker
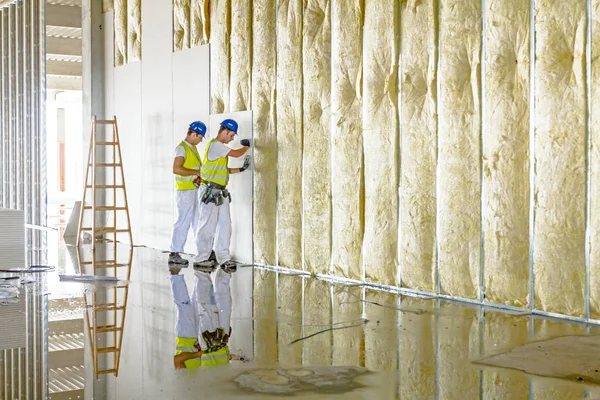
{"x": 214, "y": 223}
{"x": 203, "y": 324}
{"x": 186, "y": 168}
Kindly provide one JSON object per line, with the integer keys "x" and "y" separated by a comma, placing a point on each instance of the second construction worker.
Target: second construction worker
{"x": 186, "y": 168}
{"x": 214, "y": 222}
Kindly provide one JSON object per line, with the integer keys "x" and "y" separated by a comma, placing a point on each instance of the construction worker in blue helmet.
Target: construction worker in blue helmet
{"x": 186, "y": 168}
{"x": 214, "y": 222}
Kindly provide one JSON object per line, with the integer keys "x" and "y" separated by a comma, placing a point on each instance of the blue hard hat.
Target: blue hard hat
{"x": 198, "y": 127}
{"x": 230, "y": 124}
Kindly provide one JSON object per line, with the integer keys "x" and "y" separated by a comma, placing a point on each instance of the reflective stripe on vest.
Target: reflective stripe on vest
{"x": 213, "y": 359}
{"x": 185, "y": 345}
{"x": 215, "y": 171}
{"x": 192, "y": 161}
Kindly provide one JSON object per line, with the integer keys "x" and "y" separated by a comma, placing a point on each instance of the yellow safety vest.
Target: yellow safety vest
{"x": 186, "y": 345}
{"x": 215, "y": 171}
{"x": 192, "y": 161}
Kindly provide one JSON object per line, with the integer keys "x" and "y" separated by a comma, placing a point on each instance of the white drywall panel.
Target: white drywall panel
{"x": 240, "y": 186}
{"x": 242, "y": 342}
{"x": 109, "y": 73}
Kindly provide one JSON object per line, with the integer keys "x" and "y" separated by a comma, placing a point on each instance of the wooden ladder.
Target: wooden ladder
{"x": 94, "y": 188}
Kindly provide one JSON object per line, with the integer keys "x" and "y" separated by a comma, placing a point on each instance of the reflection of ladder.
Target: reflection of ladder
{"x": 117, "y": 183}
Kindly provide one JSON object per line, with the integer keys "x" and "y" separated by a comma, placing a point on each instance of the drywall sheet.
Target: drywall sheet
{"x": 348, "y": 343}
{"x": 318, "y": 349}
{"x": 459, "y": 194}
{"x": 120, "y": 32}
{"x": 380, "y": 140}
{"x": 560, "y": 143}
{"x": 506, "y": 153}
{"x": 264, "y": 75}
{"x": 458, "y": 340}
{"x": 347, "y": 226}
{"x": 289, "y": 133}
{"x": 289, "y": 319}
{"x": 265, "y": 316}
{"x": 417, "y": 349}
{"x": 220, "y": 28}
{"x": 200, "y": 21}
{"x": 241, "y": 49}
{"x": 418, "y": 126}
{"x": 134, "y": 30}
{"x": 594, "y": 161}
{"x": 316, "y": 190}
{"x": 181, "y": 24}
{"x": 381, "y": 332}
{"x": 240, "y": 186}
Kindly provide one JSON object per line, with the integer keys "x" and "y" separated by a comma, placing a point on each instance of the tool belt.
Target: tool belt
{"x": 215, "y": 193}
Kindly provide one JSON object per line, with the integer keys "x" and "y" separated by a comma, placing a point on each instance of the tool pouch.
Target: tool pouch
{"x": 227, "y": 194}
{"x": 218, "y": 198}
{"x": 207, "y": 196}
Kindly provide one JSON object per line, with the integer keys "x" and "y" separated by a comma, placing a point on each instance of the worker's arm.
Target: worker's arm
{"x": 179, "y": 170}
{"x": 180, "y": 359}
{"x": 243, "y": 168}
{"x": 240, "y": 152}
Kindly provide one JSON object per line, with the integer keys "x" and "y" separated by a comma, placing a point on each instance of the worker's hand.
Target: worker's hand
{"x": 246, "y": 142}
{"x": 246, "y": 164}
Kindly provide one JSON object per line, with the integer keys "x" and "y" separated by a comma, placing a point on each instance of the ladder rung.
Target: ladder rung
{"x": 105, "y": 164}
{"x": 107, "y": 350}
{"x": 106, "y": 307}
{"x": 106, "y": 230}
{"x": 106, "y": 143}
{"x": 107, "y": 371}
{"x": 106, "y": 208}
{"x": 108, "y": 328}
{"x": 105, "y": 121}
{"x": 105, "y": 186}
{"x": 104, "y": 264}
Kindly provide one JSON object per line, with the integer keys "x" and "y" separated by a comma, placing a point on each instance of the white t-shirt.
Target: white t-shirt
{"x": 180, "y": 151}
{"x": 217, "y": 150}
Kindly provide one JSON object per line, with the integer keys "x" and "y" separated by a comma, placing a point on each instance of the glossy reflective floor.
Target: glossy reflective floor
{"x": 292, "y": 336}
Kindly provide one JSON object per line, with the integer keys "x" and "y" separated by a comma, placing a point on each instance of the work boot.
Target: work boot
{"x": 229, "y": 266}
{"x": 175, "y": 258}
{"x": 205, "y": 266}
{"x": 174, "y": 269}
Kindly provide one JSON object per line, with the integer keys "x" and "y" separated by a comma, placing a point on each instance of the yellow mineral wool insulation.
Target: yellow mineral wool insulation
{"x": 458, "y": 342}
{"x": 107, "y": 5}
{"x": 220, "y": 28}
{"x": 265, "y": 316}
{"x": 380, "y": 141}
{"x": 348, "y": 344}
{"x": 289, "y": 133}
{"x": 200, "y": 22}
{"x": 181, "y": 24}
{"x": 289, "y": 320}
{"x": 506, "y": 153}
{"x": 346, "y": 100}
{"x": 264, "y": 75}
{"x": 134, "y": 30}
{"x": 560, "y": 111}
{"x": 417, "y": 350}
{"x": 595, "y": 166}
{"x": 317, "y": 316}
{"x": 381, "y": 332}
{"x": 241, "y": 51}
{"x": 418, "y": 123}
{"x": 504, "y": 332}
{"x": 554, "y": 389}
{"x": 317, "y": 136}
{"x": 459, "y": 130}
{"x": 120, "y": 21}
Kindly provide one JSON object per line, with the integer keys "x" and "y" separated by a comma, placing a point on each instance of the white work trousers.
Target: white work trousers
{"x": 214, "y": 230}
{"x": 187, "y": 215}
{"x": 209, "y": 308}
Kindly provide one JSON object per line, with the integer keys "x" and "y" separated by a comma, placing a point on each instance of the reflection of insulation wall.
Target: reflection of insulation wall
{"x": 200, "y": 21}
{"x": 348, "y": 344}
{"x": 316, "y": 195}
{"x": 595, "y": 166}
{"x": 346, "y": 146}
{"x": 458, "y": 141}
{"x": 181, "y": 24}
{"x": 241, "y": 62}
{"x": 289, "y": 319}
{"x": 120, "y": 17}
{"x": 264, "y": 75}
{"x": 220, "y": 24}
{"x": 317, "y": 316}
{"x": 419, "y": 141}
{"x": 506, "y": 153}
{"x": 289, "y": 133}
{"x": 560, "y": 109}
{"x": 380, "y": 139}
{"x": 134, "y": 30}
{"x": 265, "y": 316}
{"x": 381, "y": 332}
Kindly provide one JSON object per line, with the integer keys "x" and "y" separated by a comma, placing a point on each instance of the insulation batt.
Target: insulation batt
{"x": 458, "y": 152}
{"x": 241, "y": 60}
{"x": 181, "y": 24}
{"x": 289, "y": 317}
{"x": 348, "y": 344}
{"x": 120, "y": 17}
{"x": 506, "y": 153}
{"x": 107, "y": 5}
{"x": 595, "y": 166}
{"x": 380, "y": 141}
{"x": 317, "y": 136}
{"x": 220, "y": 28}
{"x": 200, "y": 22}
{"x": 560, "y": 111}
{"x": 289, "y": 133}
{"x": 347, "y": 167}
{"x": 134, "y": 30}
{"x": 317, "y": 315}
{"x": 265, "y": 135}
{"x": 419, "y": 144}
{"x": 265, "y": 316}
